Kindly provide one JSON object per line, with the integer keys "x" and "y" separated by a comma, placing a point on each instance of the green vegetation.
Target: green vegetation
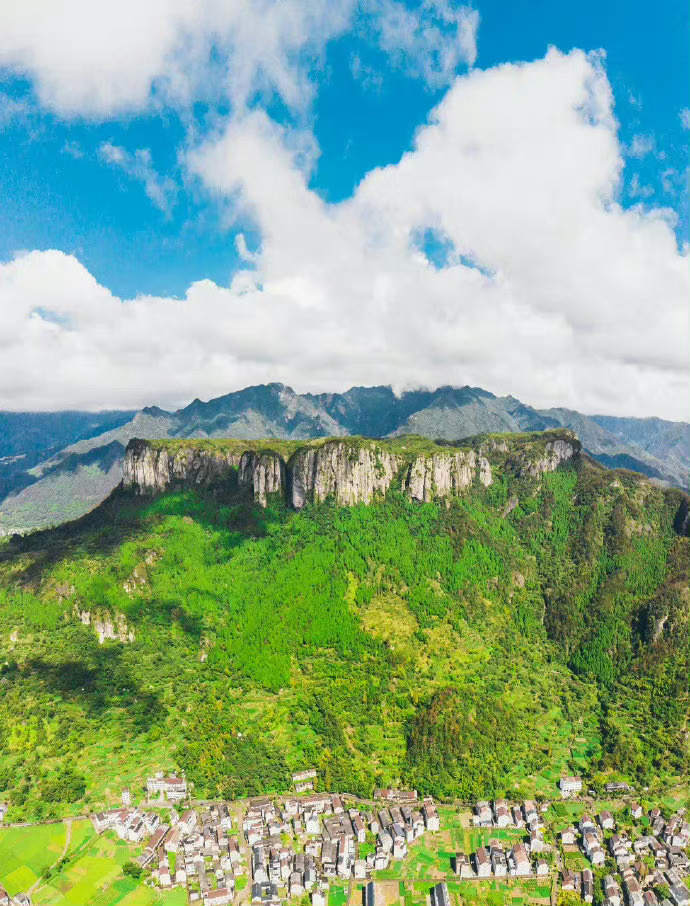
{"x": 95, "y": 870}
{"x": 536, "y": 627}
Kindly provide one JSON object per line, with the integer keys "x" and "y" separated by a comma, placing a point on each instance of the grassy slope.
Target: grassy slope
{"x": 451, "y": 648}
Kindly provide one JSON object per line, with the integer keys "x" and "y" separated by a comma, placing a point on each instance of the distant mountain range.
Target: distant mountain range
{"x": 57, "y": 466}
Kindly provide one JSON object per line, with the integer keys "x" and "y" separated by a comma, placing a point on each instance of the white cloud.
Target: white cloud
{"x": 685, "y": 118}
{"x": 12, "y": 109}
{"x": 572, "y": 300}
{"x": 161, "y": 190}
{"x": 98, "y": 58}
{"x": 637, "y": 190}
{"x": 430, "y": 40}
{"x": 642, "y": 145}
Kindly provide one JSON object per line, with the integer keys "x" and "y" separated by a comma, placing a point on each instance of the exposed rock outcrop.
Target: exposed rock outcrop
{"x": 556, "y": 452}
{"x": 262, "y": 474}
{"x": 351, "y": 473}
{"x": 107, "y": 627}
{"x": 443, "y": 475}
{"x": 148, "y": 469}
{"x": 350, "y": 470}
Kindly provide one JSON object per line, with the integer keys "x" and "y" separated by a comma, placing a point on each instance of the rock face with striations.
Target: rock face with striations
{"x": 352, "y": 474}
{"x": 261, "y": 474}
{"x": 556, "y": 452}
{"x": 149, "y": 470}
{"x": 445, "y": 474}
{"x": 350, "y": 471}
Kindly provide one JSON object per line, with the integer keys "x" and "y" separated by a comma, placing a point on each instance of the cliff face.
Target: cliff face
{"x": 446, "y": 474}
{"x": 261, "y": 474}
{"x": 351, "y": 474}
{"x": 556, "y": 452}
{"x": 349, "y": 470}
{"x": 148, "y": 469}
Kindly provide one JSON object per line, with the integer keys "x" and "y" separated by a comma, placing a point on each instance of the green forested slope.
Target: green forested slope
{"x": 535, "y": 627}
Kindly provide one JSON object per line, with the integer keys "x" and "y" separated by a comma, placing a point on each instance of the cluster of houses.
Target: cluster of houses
{"x": 325, "y": 839}
{"x": 297, "y": 845}
{"x": 663, "y": 843}
{"x": 294, "y": 846}
{"x": 522, "y": 859}
{"x": 200, "y": 849}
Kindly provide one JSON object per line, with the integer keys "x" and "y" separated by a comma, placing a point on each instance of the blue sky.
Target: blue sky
{"x": 110, "y": 155}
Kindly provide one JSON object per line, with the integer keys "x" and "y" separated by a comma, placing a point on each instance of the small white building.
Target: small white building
{"x": 570, "y": 786}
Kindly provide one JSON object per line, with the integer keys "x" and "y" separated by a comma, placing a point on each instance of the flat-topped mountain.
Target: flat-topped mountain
{"x": 69, "y": 480}
{"x": 351, "y": 470}
{"x": 471, "y": 619}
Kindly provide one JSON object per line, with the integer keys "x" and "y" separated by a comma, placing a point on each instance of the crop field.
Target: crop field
{"x": 25, "y": 853}
{"x": 92, "y": 873}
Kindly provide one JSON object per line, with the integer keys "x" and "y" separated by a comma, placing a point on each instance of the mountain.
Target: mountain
{"x": 63, "y": 482}
{"x": 473, "y": 619}
{"x": 28, "y": 438}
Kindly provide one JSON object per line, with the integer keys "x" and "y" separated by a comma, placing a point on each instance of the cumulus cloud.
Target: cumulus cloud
{"x": 99, "y": 59}
{"x": 161, "y": 190}
{"x": 547, "y": 289}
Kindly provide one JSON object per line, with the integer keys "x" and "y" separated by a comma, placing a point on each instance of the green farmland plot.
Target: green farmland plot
{"x": 337, "y": 895}
{"x": 91, "y": 874}
{"x": 25, "y": 853}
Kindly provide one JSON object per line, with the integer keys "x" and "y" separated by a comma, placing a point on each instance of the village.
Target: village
{"x": 638, "y": 866}
{"x": 305, "y": 846}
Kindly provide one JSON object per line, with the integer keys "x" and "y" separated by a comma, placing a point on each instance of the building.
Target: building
{"x": 633, "y": 892}
{"x": 304, "y": 780}
{"x": 612, "y": 891}
{"x": 570, "y": 786}
{"x": 396, "y": 795}
{"x": 568, "y": 837}
{"x": 461, "y": 866}
{"x": 369, "y": 894}
{"x": 502, "y": 814}
{"x": 678, "y": 894}
{"x": 175, "y": 788}
{"x": 606, "y": 821}
{"x": 483, "y": 814}
{"x": 482, "y": 862}
{"x": 521, "y": 860}
{"x": 587, "y": 885}
{"x": 439, "y": 895}
{"x": 431, "y": 819}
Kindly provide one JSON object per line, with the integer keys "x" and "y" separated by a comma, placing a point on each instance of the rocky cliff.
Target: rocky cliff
{"x": 350, "y": 470}
{"x": 149, "y": 469}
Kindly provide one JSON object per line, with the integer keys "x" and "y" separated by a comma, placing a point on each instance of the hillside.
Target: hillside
{"x": 71, "y": 478}
{"x": 479, "y": 643}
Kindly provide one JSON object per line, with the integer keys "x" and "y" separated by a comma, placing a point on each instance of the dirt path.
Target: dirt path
{"x": 68, "y": 838}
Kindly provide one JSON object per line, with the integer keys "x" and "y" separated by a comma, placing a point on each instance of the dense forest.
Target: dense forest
{"x": 473, "y": 647}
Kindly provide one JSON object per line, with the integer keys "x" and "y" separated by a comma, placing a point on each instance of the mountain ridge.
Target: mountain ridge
{"x": 65, "y": 483}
